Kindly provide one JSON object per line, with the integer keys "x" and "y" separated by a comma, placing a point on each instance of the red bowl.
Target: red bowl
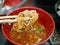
{"x": 44, "y": 18}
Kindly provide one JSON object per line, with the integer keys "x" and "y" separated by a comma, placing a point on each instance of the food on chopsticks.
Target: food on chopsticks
{"x": 27, "y": 30}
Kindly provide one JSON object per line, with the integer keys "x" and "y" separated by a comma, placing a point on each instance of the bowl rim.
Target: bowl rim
{"x": 36, "y": 9}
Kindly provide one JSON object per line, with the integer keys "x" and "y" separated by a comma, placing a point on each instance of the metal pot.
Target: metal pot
{"x": 57, "y": 8}
{"x": 1, "y": 3}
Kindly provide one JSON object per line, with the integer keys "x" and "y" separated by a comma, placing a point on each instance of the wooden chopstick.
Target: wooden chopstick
{"x": 2, "y": 17}
{"x": 8, "y": 21}
{"x": 11, "y": 20}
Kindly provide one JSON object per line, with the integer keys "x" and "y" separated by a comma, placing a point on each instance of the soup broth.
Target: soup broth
{"x": 28, "y": 36}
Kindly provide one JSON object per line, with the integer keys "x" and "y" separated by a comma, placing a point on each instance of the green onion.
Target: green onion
{"x": 41, "y": 29}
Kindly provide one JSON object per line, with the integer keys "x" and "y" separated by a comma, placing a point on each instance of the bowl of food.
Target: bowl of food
{"x": 34, "y": 26}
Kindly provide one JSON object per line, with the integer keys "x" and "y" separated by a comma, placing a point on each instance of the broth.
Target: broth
{"x": 28, "y": 36}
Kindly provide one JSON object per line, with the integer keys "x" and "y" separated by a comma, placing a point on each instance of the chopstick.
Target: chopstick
{"x": 6, "y": 20}
{"x": 2, "y": 17}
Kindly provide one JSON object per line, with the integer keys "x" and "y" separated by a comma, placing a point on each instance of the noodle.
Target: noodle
{"x": 26, "y": 30}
